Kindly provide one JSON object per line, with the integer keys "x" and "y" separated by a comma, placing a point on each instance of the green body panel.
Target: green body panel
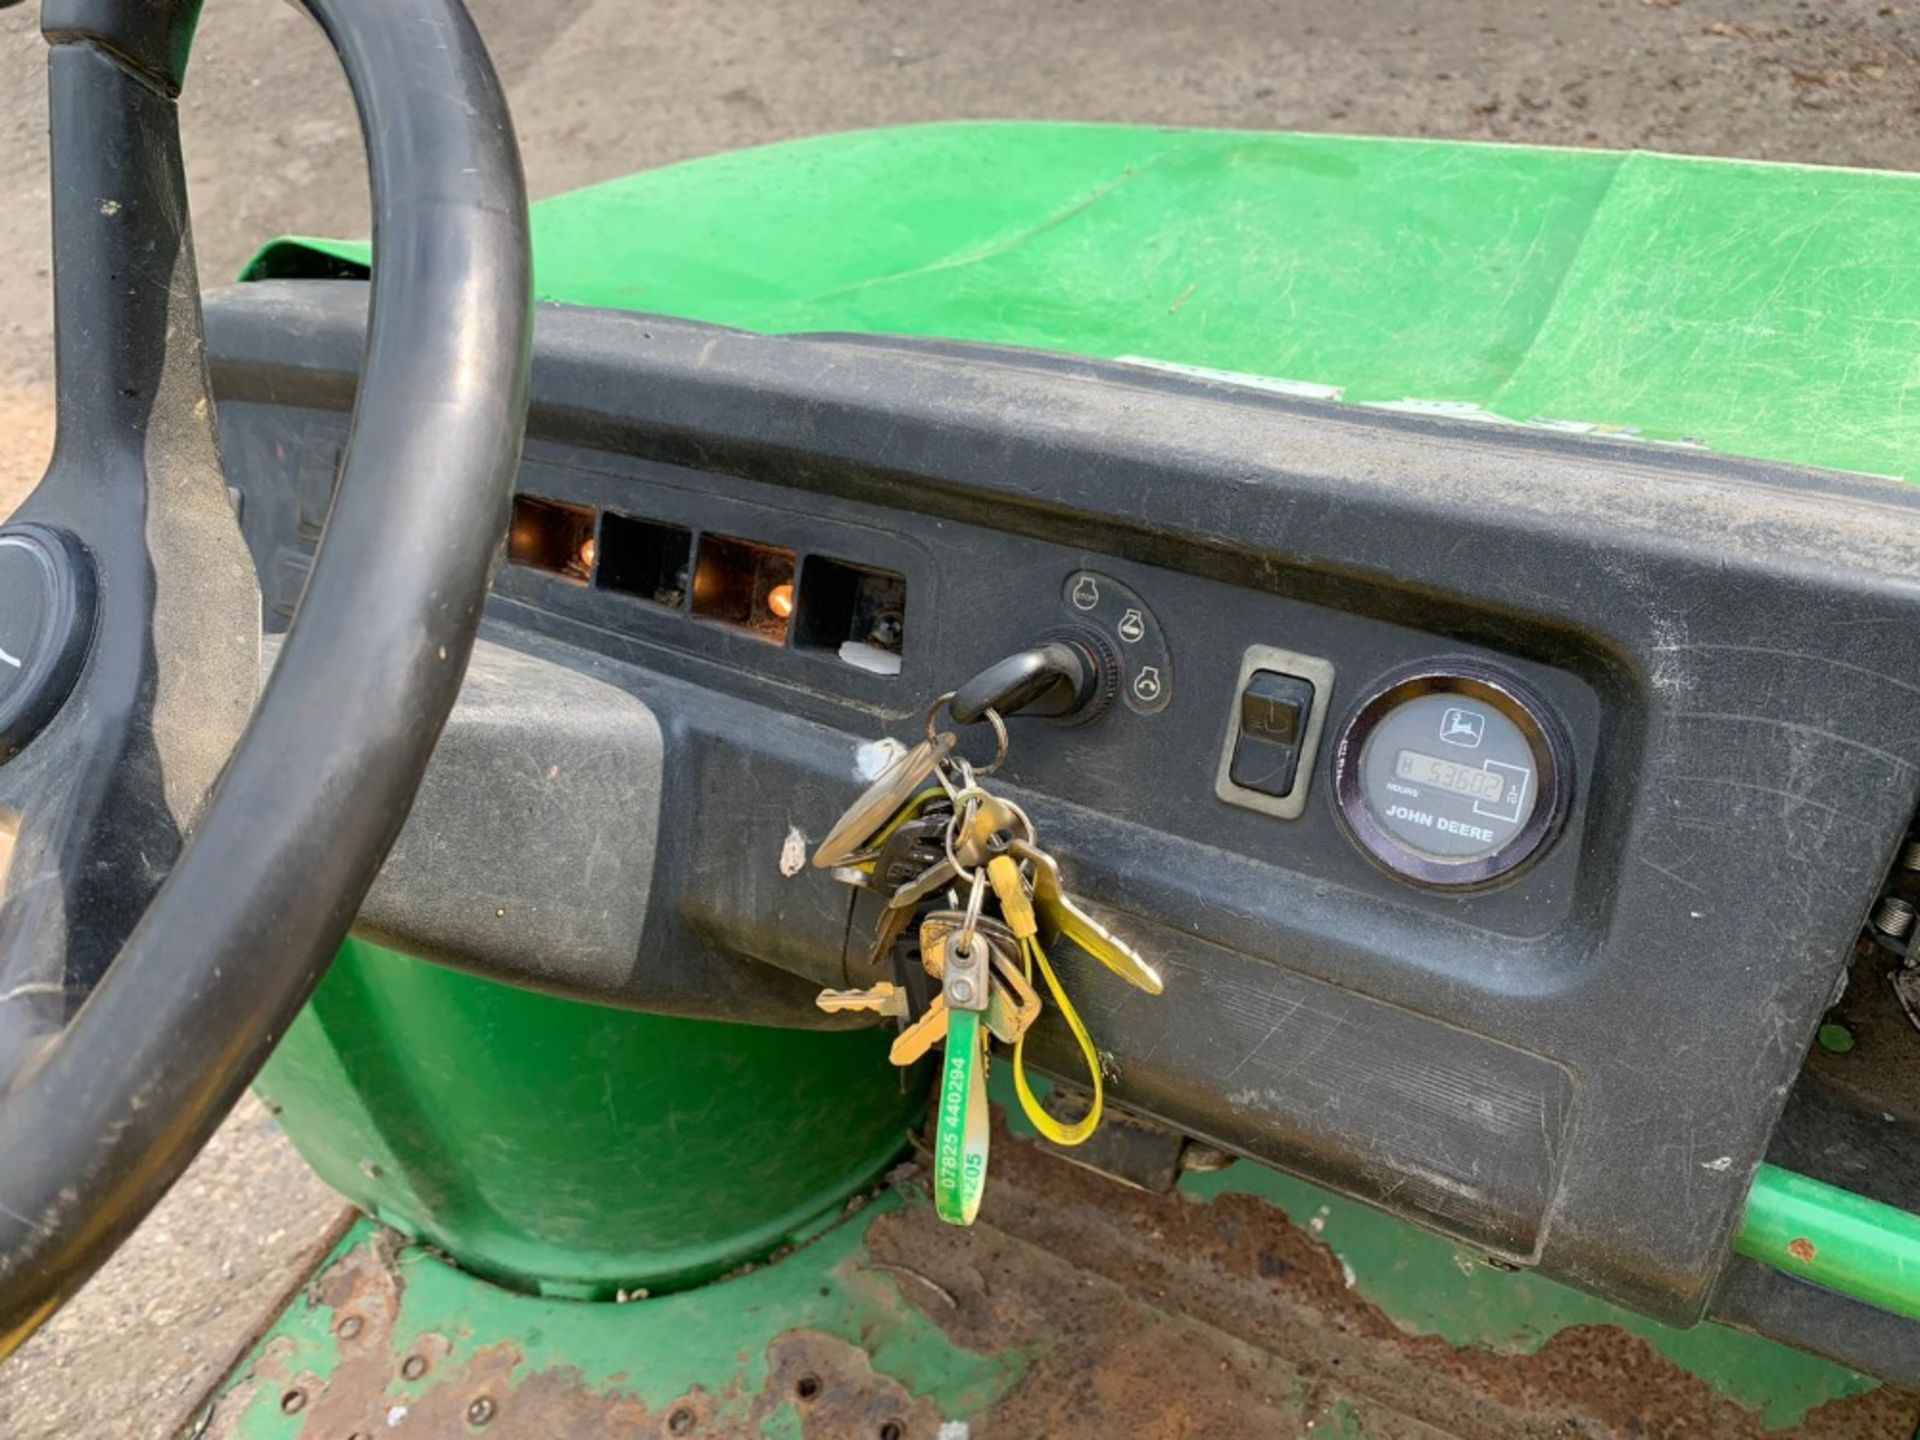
{"x": 1759, "y": 310}
{"x": 572, "y": 1149}
{"x": 1762, "y": 310}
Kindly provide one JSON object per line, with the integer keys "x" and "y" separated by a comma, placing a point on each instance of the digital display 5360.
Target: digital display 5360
{"x": 1486, "y": 785}
{"x": 1451, "y": 778}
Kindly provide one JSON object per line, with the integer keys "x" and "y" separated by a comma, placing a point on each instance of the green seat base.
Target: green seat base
{"x": 573, "y": 1150}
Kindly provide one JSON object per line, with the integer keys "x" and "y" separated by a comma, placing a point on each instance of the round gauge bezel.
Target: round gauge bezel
{"x": 1538, "y": 725}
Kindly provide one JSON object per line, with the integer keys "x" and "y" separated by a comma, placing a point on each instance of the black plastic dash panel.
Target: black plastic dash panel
{"x": 1577, "y": 1068}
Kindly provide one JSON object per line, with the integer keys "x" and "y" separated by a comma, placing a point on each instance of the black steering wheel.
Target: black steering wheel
{"x": 190, "y": 848}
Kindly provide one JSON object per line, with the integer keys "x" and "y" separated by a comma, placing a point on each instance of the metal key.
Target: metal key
{"x": 1015, "y": 1004}
{"x": 964, "y": 967}
{"x": 910, "y": 851}
{"x": 884, "y": 998}
{"x": 921, "y": 1036}
{"x": 882, "y": 800}
{"x": 976, "y": 835}
{"x": 893, "y": 924}
{"x": 910, "y": 896}
{"x": 984, "y": 835}
{"x": 911, "y": 976}
{"x": 939, "y": 924}
{"x": 1059, "y": 914}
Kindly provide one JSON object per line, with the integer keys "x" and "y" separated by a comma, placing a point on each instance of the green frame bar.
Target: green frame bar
{"x": 1839, "y": 1240}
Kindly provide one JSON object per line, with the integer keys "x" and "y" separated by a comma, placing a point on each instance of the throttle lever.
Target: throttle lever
{"x": 1066, "y": 674}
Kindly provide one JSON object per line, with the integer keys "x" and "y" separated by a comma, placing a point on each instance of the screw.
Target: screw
{"x": 1893, "y": 918}
{"x": 349, "y": 1326}
{"x": 415, "y": 1367}
{"x": 961, "y": 989}
{"x": 680, "y": 1422}
{"x": 293, "y": 1402}
{"x": 480, "y": 1411}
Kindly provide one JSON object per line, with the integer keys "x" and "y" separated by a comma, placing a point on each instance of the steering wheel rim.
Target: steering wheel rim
{"x": 170, "y": 1007}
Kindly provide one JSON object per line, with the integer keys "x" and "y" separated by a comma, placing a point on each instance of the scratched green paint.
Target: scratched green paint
{"x": 1431, "y": 1286}
{"x": 1766, "y": 310}
{"x": 784, "y": 1424}
{"x": 693, "y": 1338}
{"x": 1341, "y": 1421}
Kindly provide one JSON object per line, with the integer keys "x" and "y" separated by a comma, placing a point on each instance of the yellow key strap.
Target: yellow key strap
{"x": 1054, "y": 1130}
{"x": 961, "y": 1131}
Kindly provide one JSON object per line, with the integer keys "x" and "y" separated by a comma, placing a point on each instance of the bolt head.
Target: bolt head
{"x": 480, "y": 1411}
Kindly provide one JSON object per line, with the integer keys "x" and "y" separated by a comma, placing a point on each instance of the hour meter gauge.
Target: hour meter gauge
{"x": 1452, "y": 776}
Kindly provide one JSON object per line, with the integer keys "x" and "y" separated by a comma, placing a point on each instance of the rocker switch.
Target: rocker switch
{"x": 1274, "y": 711}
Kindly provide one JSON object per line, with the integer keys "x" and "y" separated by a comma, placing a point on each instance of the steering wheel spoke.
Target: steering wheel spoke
{"x": 192, "y": 848}
{"x": 129, "y": 611}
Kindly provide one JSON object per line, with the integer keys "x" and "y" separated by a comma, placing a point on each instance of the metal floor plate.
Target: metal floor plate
{"x": 1075, "y": 1308}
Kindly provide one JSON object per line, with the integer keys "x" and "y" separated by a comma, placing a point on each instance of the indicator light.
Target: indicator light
{"x": 780, "y": 600}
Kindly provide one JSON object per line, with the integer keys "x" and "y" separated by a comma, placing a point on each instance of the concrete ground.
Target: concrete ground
{"x": 603, "y": 87}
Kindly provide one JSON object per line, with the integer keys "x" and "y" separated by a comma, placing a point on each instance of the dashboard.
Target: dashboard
{"x": 1501, "y": 807}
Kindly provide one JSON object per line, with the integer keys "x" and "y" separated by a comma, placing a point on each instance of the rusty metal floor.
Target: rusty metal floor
{"x": 1076, "y": 1308}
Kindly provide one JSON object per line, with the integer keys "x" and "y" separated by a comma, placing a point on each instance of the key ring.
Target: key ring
{"x": 1002, "y": 742}
{"x": 969, "y": 935}
{"x": 967, "y": 798}
{"x": 955, "y": 789}
{"x": 966, "y": 804}
{"x": 976, "y": 877}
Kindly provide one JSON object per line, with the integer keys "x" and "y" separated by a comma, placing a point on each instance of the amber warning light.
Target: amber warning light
{"x": 780, "y": 600}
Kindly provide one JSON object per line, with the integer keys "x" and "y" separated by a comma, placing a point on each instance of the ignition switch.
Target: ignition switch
{"x": 1068, "y": 674}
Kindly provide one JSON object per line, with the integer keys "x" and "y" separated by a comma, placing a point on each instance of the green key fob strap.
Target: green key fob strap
{"x": 961, "y": 1131}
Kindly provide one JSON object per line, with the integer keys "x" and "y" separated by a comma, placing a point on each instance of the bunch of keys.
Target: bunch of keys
{"x": 942, "y": 849}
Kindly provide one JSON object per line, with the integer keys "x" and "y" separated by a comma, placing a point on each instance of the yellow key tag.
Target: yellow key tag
{"x": 1003, "y": 873}
{"x": 1057, "y": 1131}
